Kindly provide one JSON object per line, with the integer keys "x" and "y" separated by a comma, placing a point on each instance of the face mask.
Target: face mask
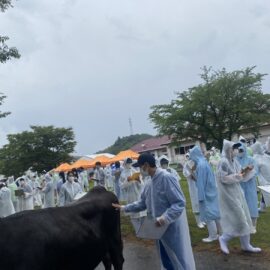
{"x": 128, "y": 166}
{"x": 240, "y": 154}
{"x": 235, "y": 152}
{"x": 164, "y": 166}
{"x": 70, "y": 178}
{"x": 144, "y": 173}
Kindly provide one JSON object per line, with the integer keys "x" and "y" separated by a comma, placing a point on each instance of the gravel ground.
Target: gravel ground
{"x": 138, "y": 257}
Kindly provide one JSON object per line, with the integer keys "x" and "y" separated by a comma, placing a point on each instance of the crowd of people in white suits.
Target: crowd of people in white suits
{"x": 50, "y": 189}
{"x": 222, "y": 187}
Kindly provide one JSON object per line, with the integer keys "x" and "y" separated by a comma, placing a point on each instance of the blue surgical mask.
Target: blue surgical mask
{"x": 241, "y": 154}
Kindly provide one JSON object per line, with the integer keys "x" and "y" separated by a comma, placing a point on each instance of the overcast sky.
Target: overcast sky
{"x": 93, "y": 64}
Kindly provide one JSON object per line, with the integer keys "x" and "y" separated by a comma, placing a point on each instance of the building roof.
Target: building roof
{"x": 151, "y": 144}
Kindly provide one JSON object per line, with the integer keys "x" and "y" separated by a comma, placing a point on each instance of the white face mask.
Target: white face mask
{"x": 164, "y": 166}
{"x": 144, "y": 173}
{"x": 128, "y": 166}
{"x": 70, "y": 179}
{"x": 235, "y": 152}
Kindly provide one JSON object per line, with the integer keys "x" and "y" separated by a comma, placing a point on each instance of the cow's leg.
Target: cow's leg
{"x": 116, "y": 254}
{"x": 117, "y": 260}
{"x": 107, "y": 262}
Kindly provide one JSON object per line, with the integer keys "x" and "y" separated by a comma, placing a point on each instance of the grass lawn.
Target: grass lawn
{"x": 260, "y": 239}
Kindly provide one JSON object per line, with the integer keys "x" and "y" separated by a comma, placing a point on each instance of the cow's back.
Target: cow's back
{"x": 70, "y": 237}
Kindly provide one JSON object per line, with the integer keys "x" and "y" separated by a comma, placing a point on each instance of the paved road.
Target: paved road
{"x": 138, "y": 257}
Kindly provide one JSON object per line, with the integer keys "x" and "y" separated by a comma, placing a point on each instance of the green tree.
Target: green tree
{"x": 6, "y": 53}
{"x": 3, "y": 114}
{"x": 125, "y": 143}
{"x": 223, "y": 105}
{"x": 5, "y": 4}
{"x": 42, "y": 148}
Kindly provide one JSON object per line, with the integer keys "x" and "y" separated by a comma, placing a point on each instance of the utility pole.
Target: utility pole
{"x": 130, "y": 126}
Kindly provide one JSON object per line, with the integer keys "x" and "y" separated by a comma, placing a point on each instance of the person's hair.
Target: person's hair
{"x": 164, "y": 161}
{"x": 117, "y": 164}
{"x": 152, "y": 165}
{"x": 98, "y": 163}
{"x": 91, "y": 174}
{"x": 21, "y": 179}
{"x": 70, "y": 173}
{"x": 62, "y": 176}
{"x": 75, "y": 172}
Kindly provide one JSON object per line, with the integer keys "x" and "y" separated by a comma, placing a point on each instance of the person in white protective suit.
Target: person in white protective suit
{"x": 109, "y": 183}
{"x": 214, "y": 158}
{"x": 244, "y": 141}
{"x": 35, "y": 185}
{"x": 69, "y": 190}
{"x": 131, "y": 189}
{"x": 83, "y": 179}
{"x": 188, "y": 172}
{"x": 116, "y": 172}
{"x": 266, "y": 147}
{"x": 164, "y": 163}
{"x": 49, "y": 191}
{"x": 6, "y": 205}
{"x": 263, "y": 165}
{"x": 99, "y": 175}
{"x": 235, "y": 216}
{"x": 26, "y": 201}
{"x": 13, "y": 187}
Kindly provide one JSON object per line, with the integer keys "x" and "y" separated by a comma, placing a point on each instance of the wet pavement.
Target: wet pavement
{"x": 140, "y": 257}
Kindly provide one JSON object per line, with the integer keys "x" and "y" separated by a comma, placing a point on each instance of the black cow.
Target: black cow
{"x": 74, "y": 237}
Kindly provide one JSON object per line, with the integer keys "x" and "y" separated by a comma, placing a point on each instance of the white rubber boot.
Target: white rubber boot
{"x": 262, "y": 207}
{"x": 246, "y": 246}
{"x": 198, "y": 221}
{"x": 223, "y": 241}
{"x": 212, "y": 230}
{"x": 254, "y": 223}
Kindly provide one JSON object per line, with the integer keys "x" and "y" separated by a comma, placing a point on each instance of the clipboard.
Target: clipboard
{"x": 246, "y": 170}
{"x": 135, "y": 176}
{"x": 149, "y": 230}
{"x": 79, "y": 196}
{"x": 266, "y": 194}
{"x": 19, "y": 193}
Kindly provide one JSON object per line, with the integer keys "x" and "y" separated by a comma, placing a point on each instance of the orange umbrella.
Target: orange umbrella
{"x": 123, "y": 155}
{"x": 63, "y": 167}
{"x": 104, "y": 160}
{"x": 82, "y": 163}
